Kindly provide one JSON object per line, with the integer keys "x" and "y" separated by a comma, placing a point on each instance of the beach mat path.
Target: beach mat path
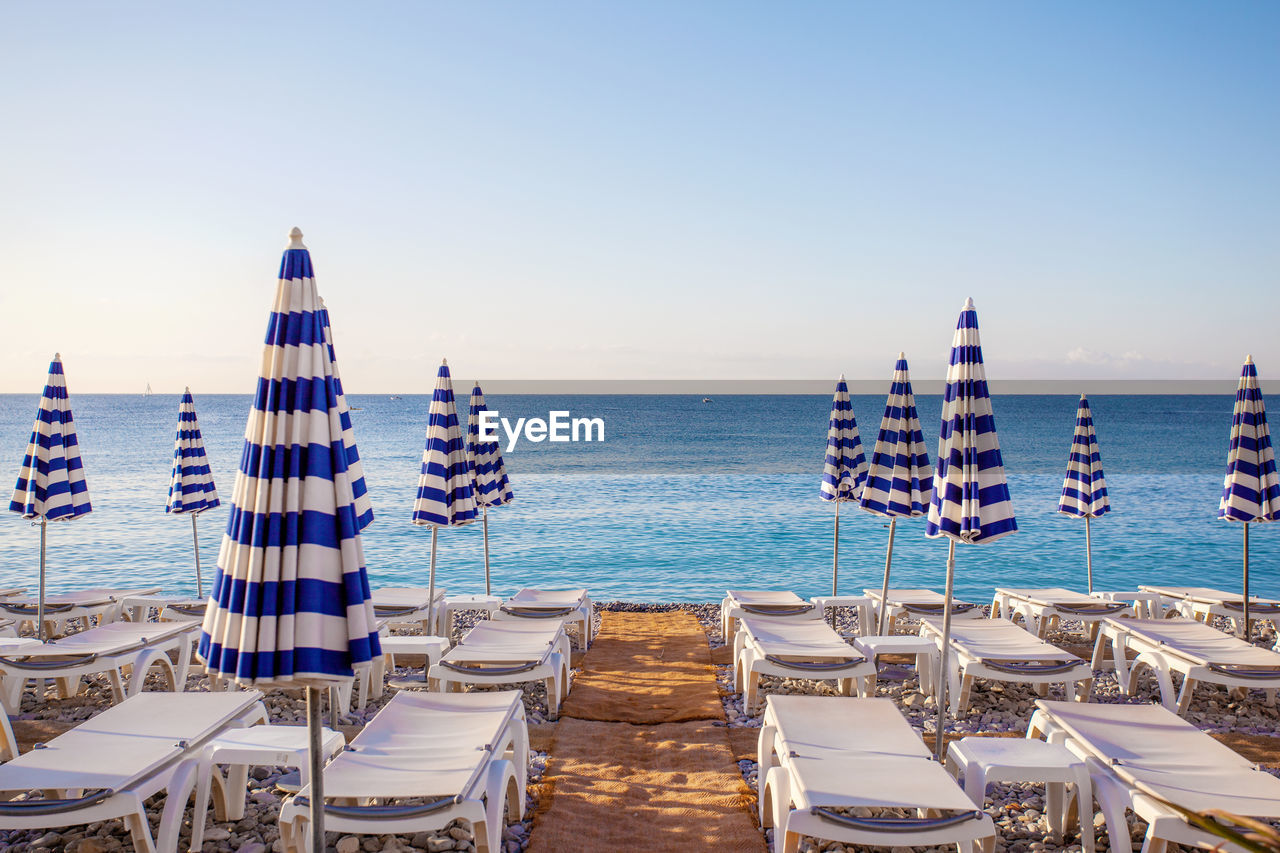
{"x": 641, "y": 758}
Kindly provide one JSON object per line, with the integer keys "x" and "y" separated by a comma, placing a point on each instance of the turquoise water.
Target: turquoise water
{"x": 681, "y": 501}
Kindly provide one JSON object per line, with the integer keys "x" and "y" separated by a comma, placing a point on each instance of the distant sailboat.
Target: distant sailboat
{"x": 147, "y": 393}
{"x": 396, "y": 397}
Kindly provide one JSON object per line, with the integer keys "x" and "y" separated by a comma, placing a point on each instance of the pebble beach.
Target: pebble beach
{"x": 997, "y": 709}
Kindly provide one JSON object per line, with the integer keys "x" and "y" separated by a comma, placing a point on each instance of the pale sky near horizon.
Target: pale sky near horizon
{"x": 640, "y": 190}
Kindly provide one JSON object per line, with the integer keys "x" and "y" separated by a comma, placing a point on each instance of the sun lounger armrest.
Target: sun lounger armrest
{"x": 895, "y": 824}
{"x": 936, "y": 609}
{"x": 1101, "y": 609}
{"x": 394, "y": 610}
{"x": 815, "y": 666}
{"x": 488, "y": 670}
{"x": 34, "y": 609}
{"x": 187, "y": 609}
{"x": 1032, "y": 667}
{"x": 43, "y": 665}
{"x": 384, "y": 812}
{"x": 777, "y": 609}
{"x": 1239, "y": 671}
{"x": 1255, "y": 607}
{"x": 35, "y": 808}
{"x": 535, "y": 613}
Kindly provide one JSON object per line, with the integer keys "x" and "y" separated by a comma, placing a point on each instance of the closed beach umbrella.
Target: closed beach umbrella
{"x": 445, "y": 497}
{"x": 489, "y": 475}
{"x": 1084, "y": 491}
{"x": 970, "y": 501}
{"x": 355, "y": 468}
{"x": 291, "y": 603}
{"x": 900, "y": 478}
{"x": 845, "y": 469}
{"x": 51, "y": 484}
{"x": 1251, "y": 489}
{"x": 191, "y": 489}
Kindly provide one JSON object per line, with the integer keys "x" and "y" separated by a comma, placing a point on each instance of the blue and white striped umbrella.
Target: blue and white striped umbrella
{"x": 1084, "y": 491}
{"x": 355, "y": 468}
{"x": 488, "y": 473}
{"x": 445, "y": 496}
{"x": 191, "y": 489}
{"x": 291, "y": 601}
{"x": 970, "y": 501}
{"x": 900, "y": 478}
{"x": 1251, "y": 488}
{"x": 51, "y": 484}
{"x": 844, "y": 470}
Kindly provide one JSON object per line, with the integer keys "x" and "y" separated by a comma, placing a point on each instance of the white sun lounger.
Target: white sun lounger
{"x": 108, "y": 767}
{"x": 1203, "y": 603}
{"x": 106, "y": 649}
{"x": 1045, "y": 608}
{"x": 515, "y": 652}
{"x": 102, "y": 603}
{"x": 917, "y": 604}
{"x": 466, "y": 754}
{"x": 408, "y": 605}
{"x": 572, "y": 606}
{"x": 1194, "y": 650}
{"x": 832, "y": 766}
{"x": 774, "y": 604}
{"x": 791, "y": 648}
{"x": 1137, "y": 753}
{"x": 1001, "y": 651}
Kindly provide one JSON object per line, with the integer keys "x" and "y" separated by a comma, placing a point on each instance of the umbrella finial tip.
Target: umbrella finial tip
{"x": 57, "y": 356}
{"x": 444, "y": 361}
{"x": 295, "y": 238}
{"x": 968, "y": 303}
{"x": 1248, "y": 359}
{"x": 902, "y": 354}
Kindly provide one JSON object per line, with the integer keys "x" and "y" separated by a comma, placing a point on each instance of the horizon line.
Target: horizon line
{"x": 705, "y": 387}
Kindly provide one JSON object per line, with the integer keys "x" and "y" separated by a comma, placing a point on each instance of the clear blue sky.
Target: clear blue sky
{"x": 644, "y": 189}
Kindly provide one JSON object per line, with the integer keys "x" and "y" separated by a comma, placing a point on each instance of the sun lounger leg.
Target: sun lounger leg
{"x": 1154, "y": 844}
{"x": 1112, "y": 799}
{"x": 1099, "y": 650}
{"x": 750, "y": 694}
{"x": 1084, "y": 689}
{"x": 961, "y": 700}
{"x": 175, "y": 805}
{"x": 66, "y": 687}
{"x": 146, "y": 660}
{"x": 140, "y": 830}
{"x": 1184, "y": 695}
{"x": 553, "y": 697}
{"x": 1055, "y": 809}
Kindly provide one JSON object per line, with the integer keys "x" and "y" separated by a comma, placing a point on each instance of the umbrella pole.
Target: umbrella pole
{"x": 1088, "y": 553}
{"x": 1248, "y": 634}
{"x": 484, "y": 515}
{"x": 315, "y": 764}
{"x": 938, "y": 748}
{"x": 835, "y": 566}
{"x": 44, "y": 524}
{"x": 431, "y": 583}
{"x": 884, "y": 588}
{"x": 196, "y": 540}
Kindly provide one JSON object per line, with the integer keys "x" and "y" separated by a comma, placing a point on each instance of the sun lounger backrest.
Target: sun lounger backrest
{"x": 125, "y": 743}
{"x": 1199, "y": 643}
{"x": 997, "y": 638}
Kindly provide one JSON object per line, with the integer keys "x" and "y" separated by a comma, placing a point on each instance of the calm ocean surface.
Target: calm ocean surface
{"x": 682, "y": 501}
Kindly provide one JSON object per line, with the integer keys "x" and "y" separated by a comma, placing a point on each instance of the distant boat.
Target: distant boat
{"x": 396, "y": 397}
{"x": 706, "y": 399}
{"x": 147, "y": 393}
{"x": 354, "y": 409}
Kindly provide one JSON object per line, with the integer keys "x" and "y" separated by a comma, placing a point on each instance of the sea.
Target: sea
{"x": 682, "y": 500}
